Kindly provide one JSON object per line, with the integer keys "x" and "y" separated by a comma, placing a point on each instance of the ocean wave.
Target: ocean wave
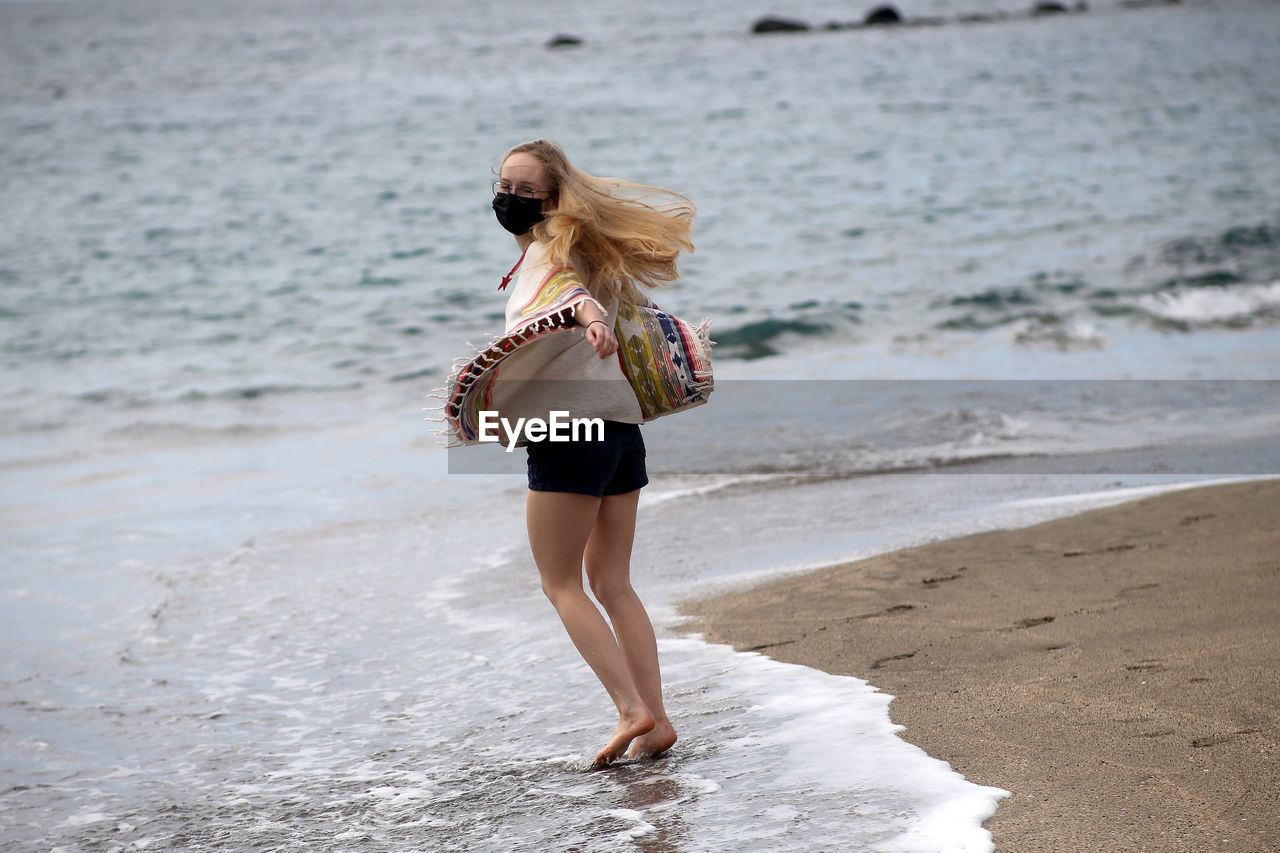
{"x": 774, "y": 335}
{"x": 1229, "y": 245}
{"x": 254, "y": 392}
{"x": 1203, "y": 307}
{"x": 1227, "y": 280}
{"x": 756, "y": 430}
{"x": 132, "y": 398}
{"x": 1063, "y": 335}
{"x": 182, "y": 433}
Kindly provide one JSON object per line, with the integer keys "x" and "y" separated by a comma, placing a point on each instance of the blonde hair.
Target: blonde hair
{"x": 609, "y": 229}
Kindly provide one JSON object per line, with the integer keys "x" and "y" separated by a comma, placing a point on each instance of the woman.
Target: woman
{"x": 586, "y": 243}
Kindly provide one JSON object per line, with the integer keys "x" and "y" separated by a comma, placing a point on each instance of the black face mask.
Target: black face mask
{"x": 517, "y": 214}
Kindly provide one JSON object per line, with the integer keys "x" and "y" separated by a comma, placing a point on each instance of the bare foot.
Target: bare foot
{"x": 654, "y": 742}
{"x": 629, "y": 728}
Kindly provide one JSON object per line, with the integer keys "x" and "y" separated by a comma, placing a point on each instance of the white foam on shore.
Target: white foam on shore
{"x": 1111, "y": 497}
{"x": 828, "y": 742}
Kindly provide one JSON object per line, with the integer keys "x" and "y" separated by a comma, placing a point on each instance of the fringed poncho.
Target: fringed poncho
{"x": 544, "y": 362}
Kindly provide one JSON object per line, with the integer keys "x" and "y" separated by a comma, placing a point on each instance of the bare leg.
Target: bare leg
{"x": 559, "y": 524}
{"x": 608, "y": 564}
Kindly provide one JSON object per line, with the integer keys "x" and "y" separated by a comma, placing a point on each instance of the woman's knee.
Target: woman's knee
{"x": 609, "y": 589}
{"x": 557, "y": 588}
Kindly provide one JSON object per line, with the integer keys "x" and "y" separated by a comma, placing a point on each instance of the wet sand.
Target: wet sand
{"x": 1117, "y": 671}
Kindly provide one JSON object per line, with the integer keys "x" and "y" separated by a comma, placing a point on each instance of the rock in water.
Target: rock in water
{"x": 563, "y": 40}
{"x": 881, "y": 15}
{"x": 778, "y": 25}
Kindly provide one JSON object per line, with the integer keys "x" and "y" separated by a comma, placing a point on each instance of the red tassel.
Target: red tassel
{"x": 506, "y": 279}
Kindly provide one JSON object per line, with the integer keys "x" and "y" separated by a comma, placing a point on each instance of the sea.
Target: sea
{"x": 981, "y": 269}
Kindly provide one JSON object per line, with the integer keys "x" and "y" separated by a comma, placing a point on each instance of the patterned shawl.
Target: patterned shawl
{"x": 544, "y": 363}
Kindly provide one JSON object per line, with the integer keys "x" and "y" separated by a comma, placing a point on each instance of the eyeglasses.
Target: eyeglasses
{"x": 504, "y": 188}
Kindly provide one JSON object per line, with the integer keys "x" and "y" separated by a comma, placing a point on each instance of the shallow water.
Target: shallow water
{"x": 249, "y": 603}
{"x": 394, "y": 684}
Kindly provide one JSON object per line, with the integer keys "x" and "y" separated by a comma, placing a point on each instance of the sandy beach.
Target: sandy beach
{"x": 1115, "y": 671}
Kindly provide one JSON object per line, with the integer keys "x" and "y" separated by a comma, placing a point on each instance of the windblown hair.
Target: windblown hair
{"x": 617, "y": 234}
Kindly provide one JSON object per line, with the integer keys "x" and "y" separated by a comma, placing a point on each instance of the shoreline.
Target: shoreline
{"x": 1115, "y": 670}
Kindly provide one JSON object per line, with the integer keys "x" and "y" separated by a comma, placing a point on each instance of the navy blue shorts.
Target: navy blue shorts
{"x": 613, "y": 466}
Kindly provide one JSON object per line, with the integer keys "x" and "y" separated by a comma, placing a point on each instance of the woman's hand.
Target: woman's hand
{"x": 601, "y": 338}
